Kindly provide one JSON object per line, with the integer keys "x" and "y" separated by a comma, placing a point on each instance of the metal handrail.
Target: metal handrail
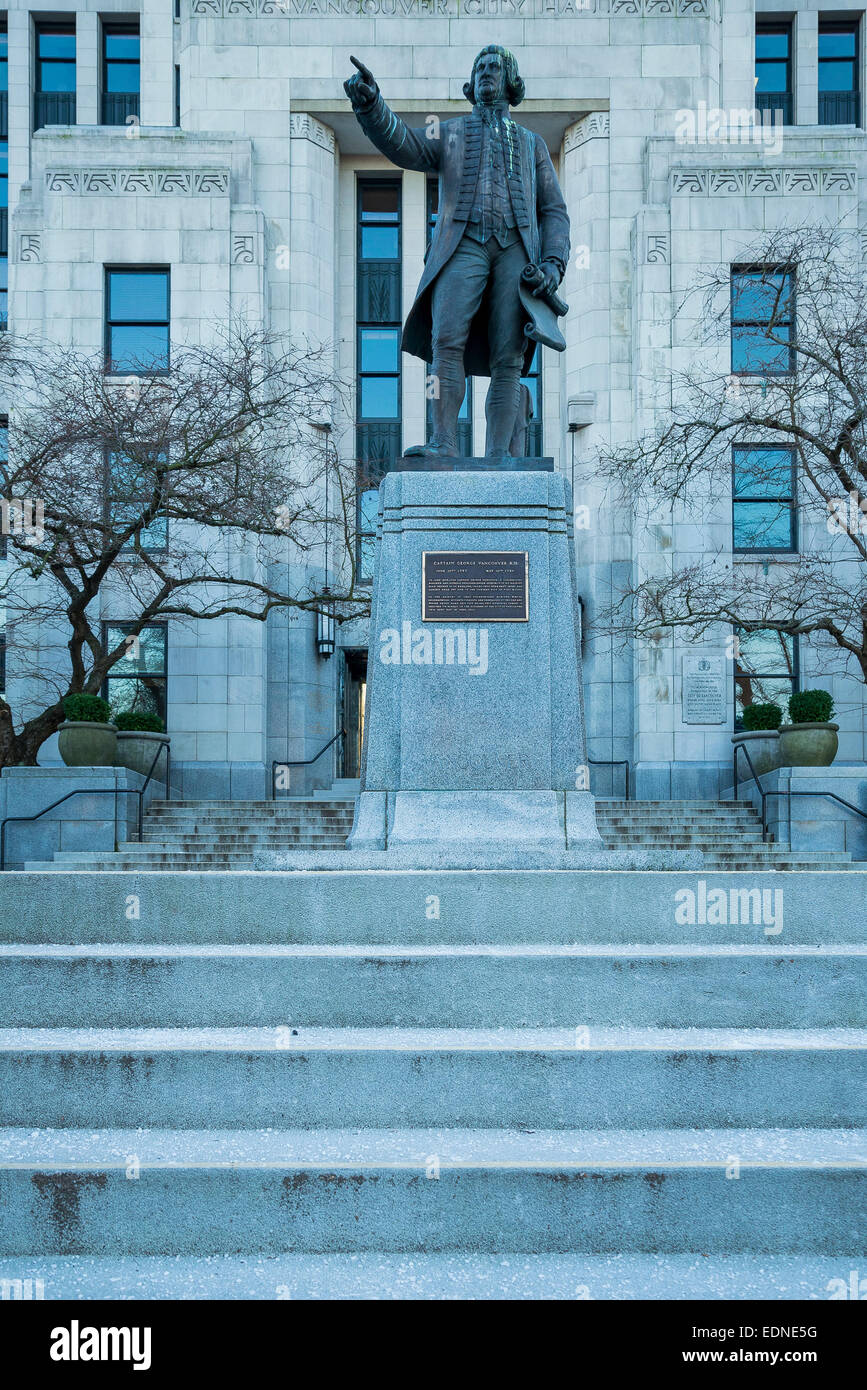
{"x": 618, "y": 762}
{"x": 163, "y": 743}
{"x": 300, "y": 762}
{"x": 97, "y": 791}
{"x": 788, "y": 793}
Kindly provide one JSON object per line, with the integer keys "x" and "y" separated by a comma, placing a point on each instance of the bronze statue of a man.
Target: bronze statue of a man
{"x": 500, "y": 209}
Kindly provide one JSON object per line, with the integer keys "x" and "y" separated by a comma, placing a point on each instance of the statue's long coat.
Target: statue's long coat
{"x": 454, "y": 152}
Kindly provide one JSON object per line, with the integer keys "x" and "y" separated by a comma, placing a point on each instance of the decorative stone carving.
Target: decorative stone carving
{"x": 243, "y": 248}
{"x": 303, "y": 126}
{"x": 445, "y": 9}
{"x": 596, "y": 126}
{"x": 762, "y": 179}
{"x": 30, "y": 247}
{"x": 183, "y": 182}
{"x": 658, "y": 248}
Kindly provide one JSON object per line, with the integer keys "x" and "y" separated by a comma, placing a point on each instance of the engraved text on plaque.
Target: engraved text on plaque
{"x": 468, "y": 586}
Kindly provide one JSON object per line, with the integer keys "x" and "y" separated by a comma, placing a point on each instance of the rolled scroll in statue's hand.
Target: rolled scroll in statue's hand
{"x": 543, "y": 307}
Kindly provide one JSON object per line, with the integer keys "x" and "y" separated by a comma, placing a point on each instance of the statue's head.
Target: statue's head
{"x": 494, "y": 77}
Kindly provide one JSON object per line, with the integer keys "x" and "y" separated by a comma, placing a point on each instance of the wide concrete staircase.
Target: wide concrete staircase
{"x": 427, "y": 1084}
{"x": 220, "y": 835}
{"x": 729, "y": 834}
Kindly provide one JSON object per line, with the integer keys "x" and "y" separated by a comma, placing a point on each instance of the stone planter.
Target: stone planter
{"x": 137, "y": 750}
{"x": 808, "y": 745}
{"x": 763, "y": 747}
{"x": 83, "y": 743}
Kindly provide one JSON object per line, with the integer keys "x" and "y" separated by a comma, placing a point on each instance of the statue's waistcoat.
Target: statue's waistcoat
{"x": 473, "y": 141}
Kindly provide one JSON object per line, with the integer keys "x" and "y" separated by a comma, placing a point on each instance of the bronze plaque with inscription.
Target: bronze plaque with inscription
{"x": 469, "y": 586}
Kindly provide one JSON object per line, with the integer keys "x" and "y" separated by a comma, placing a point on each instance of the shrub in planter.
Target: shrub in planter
{"x": 138, "y": 740}
{"x": 137, "y": 721}
{"x": 810, "y": 740}
{"x": 810, "y": 707}
{"x": 757, "y": 717}
{"x": 87, "y": 738}
{"x": 760, "y": 738}
{"x": 90, "y": 708}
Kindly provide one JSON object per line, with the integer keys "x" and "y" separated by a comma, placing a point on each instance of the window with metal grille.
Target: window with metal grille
{"x": 839, "y": 97}
{"x": 774, "y": 69}
{"x": 54, "y": 96}
{"x": 121, "y": 82}
{"x": 378, "y": 374}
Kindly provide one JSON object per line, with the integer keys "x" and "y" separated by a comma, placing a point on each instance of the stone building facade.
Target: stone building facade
{"x": 236, "y": 165}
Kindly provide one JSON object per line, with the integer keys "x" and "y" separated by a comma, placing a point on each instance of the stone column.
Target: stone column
{"x": 157, "y": 105}
{"x": 805, "y": 66}
{"x": 596, "y": 381}
{"x": 88, "y": 77}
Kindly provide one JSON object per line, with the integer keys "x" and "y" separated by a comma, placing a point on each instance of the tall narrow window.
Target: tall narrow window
{"x": 4, "y": 454}
{"x": 4, "y": 176}
{"x": 763, "y": 506}
{"x": 533, "y": 383}
{"x": 765, "y": 669}
{"x": 137, "y": 321}
{"x": 54, "y": 97}
{"x": 130, "y": 485}
{"x": 774, "y": 69}
{"x": 465, "y": 416}
{"x": 378, "y": 382}
{"x": 120, "y": 73}
{"x": 4, "y": 81}
{"x": 138, "y": 680}
{"x": 762, "y": 320}
{"x": 4, "y": 457}
{"x": 839, "y": 98}
{"x": 177, "y": 95}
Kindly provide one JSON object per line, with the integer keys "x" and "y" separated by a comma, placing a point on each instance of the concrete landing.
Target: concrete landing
{"x": 379, "y": 1276}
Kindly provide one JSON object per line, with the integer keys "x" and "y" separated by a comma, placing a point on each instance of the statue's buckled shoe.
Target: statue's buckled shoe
{"x": 435, "y": 449}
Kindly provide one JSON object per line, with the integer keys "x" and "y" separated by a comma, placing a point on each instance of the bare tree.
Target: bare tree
{"x": 802, "y": 384}
{"x": 171, "y": 494}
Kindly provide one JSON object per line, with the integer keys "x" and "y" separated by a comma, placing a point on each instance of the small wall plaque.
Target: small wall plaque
{"x": 704, "y": 689}
{"x": 470, "y": 586}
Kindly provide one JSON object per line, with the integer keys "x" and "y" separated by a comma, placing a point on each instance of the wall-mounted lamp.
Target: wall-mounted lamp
{"x": 326, "y": 628}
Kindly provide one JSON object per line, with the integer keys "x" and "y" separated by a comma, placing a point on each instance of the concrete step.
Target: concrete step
{"x": 207, "y": 808}
{"x": 151, "y": 856}
{"x": 227, "y": 839}
{"x": 672, "y": 807}
{"x": 484, "y": 986}
{"x": 782, "y": 865}
{"x": 159, "y": 1192}
{"x": 143, "y": 866}
{"x": 455, "y": 907}
{"x": 739, "y": 849}
{"x": 447, "y": 1276}
{"x": 256, "y": 1078}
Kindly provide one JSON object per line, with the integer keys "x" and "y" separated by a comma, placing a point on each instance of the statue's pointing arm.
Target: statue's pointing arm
{"x": 409, "y": 149}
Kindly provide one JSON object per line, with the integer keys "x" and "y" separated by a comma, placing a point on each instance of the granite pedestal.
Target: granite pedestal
{"x": 475, "y": 728}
